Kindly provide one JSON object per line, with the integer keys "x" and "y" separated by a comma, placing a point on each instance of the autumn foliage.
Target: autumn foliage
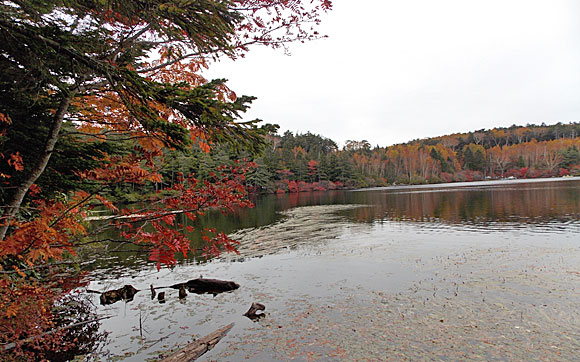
{"x": 95, "y": 95}
{"x": 308, "y": 162}
{"x": 156, "y": 229}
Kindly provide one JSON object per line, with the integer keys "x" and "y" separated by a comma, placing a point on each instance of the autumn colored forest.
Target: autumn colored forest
{"x": 103, "y": 108}
{"x": 309, "y": 162}
{"x": 98, "y": 96}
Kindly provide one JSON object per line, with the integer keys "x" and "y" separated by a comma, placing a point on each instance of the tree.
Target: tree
{"x": 570, "y": 157}
{"x": 467, "y": 158}
{"x": 259, "y": 178}
{"x": 450, "y": 142}
{"x": 313, "y": 170}
{"x": 552, "y": 155}
{"x": 363, "y": 145}
{"x": 474, "y": 157}
{"x": 499, "y": 158}
{"x": 94, "y": 94}
{"x": 479, "y": 159}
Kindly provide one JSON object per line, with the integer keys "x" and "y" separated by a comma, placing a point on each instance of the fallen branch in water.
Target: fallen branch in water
{"x": 196, "y": 349}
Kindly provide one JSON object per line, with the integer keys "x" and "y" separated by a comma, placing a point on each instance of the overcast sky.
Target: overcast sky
{"x": 396, "y": 70}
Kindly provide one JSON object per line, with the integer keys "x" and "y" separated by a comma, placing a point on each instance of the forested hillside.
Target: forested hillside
{"x": 522, "y": 152}
{"x": 305, "y": 162}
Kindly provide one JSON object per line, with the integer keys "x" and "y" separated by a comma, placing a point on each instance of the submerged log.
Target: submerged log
{"x": 209, "y": 286}
{"x": 252, "y": 313}
{"x": 125, "y": 293}
{"x": 196, "y": 349}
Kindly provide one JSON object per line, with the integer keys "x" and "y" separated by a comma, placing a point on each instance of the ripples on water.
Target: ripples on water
{"x": 496, "y": 207}
{"x": 483, "y": 271}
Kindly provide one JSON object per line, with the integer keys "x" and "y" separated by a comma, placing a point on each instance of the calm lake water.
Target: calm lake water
{"x": 486, "y": 271}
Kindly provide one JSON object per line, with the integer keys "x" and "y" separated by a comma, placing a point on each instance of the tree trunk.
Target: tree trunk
{"x": 12, "y": 208}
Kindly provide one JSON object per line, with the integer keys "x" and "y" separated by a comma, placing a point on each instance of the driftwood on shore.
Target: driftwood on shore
{"x": 196, "y": 349}
{"x": 207, "y": 286}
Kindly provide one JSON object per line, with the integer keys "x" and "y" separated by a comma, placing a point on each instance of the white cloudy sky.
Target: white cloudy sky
{"x": 396, "y": 70}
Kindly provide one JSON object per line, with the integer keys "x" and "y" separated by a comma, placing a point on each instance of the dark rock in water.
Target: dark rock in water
{"x": 161, "y": 297}
{"x": 252, "y": 313}
{"x": 182, "y": 292}
{"x": 112, "y": 296}
{"x": 209, "y": 286}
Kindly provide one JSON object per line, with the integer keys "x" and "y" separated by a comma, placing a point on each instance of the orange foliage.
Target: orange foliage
{"x": 126, "y": 168}
{"x": 48, "y": 235}
{"x": 102, "y": 115}
{"x": 192, "y": 198}
{"x": 15, "y": 161}
{"x": 5, "y": 119}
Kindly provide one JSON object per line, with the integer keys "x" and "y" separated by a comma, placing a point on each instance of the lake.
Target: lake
{"x": 487, "y": 270}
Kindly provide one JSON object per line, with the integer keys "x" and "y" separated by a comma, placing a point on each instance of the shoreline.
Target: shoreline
{"x": 471, "y": 183}
{"x": 432, "y": 185}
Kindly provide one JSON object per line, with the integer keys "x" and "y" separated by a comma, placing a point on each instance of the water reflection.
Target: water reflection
{"x": 441, "y": 254}
{"x": 482, "y": 207}
{"x": 489, "y": 203}
{"x": 78, "y": 317}
{"x": 120, "y": 258}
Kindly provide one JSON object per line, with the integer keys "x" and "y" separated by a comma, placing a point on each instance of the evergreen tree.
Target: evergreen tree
{"x": 468, "y": 159}
{"x": 478, "y": 162}
{"x": 571, "y": 156}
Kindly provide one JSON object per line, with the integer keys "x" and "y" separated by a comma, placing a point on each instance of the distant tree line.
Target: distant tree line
{"x": 522, "y": 152}
{"x": 306, "y": 162}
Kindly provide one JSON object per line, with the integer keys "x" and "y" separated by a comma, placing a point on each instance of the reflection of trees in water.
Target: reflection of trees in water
{"x": 524, "y": 205}
{"x": 118, "y": 258}
{"x": 80, "y": 340}
{"x": 527, "y": 203}
{"x": 84, "y": 338}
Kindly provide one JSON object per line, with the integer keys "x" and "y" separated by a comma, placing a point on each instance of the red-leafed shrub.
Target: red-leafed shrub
{"x": 446, "y": 177}
{"x": 293, "y": 186}
{"x": 304, "y": 186}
